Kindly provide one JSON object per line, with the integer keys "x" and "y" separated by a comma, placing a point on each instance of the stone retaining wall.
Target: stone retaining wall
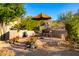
{"x": 14, "y": 33}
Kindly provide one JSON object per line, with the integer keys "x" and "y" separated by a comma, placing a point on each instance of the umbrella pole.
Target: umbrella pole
{"x": 41, "y": 31}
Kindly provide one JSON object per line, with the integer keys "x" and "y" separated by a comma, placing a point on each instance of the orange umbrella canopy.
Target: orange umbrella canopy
{"x": 41, "y": 16}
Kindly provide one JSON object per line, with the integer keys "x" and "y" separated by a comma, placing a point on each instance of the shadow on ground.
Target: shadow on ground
{"x": 52, "y": 53}
{"x": 42, "y": 52}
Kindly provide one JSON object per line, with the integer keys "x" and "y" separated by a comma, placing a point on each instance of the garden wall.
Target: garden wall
{"x": 15, "y": 33}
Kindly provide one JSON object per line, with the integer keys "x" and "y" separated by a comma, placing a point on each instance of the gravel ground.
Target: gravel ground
{"x": 46, "y": 51}
{"x": 4, "y": 44}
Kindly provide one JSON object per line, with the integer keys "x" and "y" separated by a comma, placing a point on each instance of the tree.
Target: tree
{"x": 62, "y": 16}
{"x": 9, "y": 11}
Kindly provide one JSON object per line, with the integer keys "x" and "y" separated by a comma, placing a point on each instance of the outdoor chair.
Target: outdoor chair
{"x": 46, "y": 32}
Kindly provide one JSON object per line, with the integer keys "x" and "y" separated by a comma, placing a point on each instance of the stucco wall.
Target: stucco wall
{"x": 14, "y": 33}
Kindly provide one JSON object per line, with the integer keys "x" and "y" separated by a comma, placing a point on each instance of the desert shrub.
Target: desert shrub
{"x": 29, "y": 24}
{"x": 55, "y": 24}
{"x": 12, "y": 41}
{"x": 72, "y": 26}
{"x": 6, "y": 52}
{"x": 32, "y": 39}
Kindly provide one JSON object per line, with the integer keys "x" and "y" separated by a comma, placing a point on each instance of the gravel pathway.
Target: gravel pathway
{"x": 46, "y": 51}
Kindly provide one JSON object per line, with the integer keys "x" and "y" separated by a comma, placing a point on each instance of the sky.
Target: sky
{"x": 51, "y": 9}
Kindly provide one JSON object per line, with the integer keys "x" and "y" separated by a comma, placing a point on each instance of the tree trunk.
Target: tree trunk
{"x": 3, "y": 31}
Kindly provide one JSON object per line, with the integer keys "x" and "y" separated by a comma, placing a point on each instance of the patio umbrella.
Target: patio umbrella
{"x": 44, "y": 17}
{"x": 41, "y": 16}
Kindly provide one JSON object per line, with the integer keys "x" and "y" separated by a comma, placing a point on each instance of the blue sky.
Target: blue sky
{"x": 51, "y": 9}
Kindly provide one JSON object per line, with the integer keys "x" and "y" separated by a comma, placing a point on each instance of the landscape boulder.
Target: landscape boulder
{"x": 7, "y": 52}
{"x": 39, "y": 44}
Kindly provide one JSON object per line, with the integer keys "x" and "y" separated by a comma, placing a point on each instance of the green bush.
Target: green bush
{"x": 72, "y": 26}
{"x": 29, "y": 24}
{"x": 56, "y": 24}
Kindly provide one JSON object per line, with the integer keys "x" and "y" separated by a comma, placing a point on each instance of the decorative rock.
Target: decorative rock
{"x": 6, "y": 52}
{"x": 39, "y": 44}
{"x": 63, "y": 37}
